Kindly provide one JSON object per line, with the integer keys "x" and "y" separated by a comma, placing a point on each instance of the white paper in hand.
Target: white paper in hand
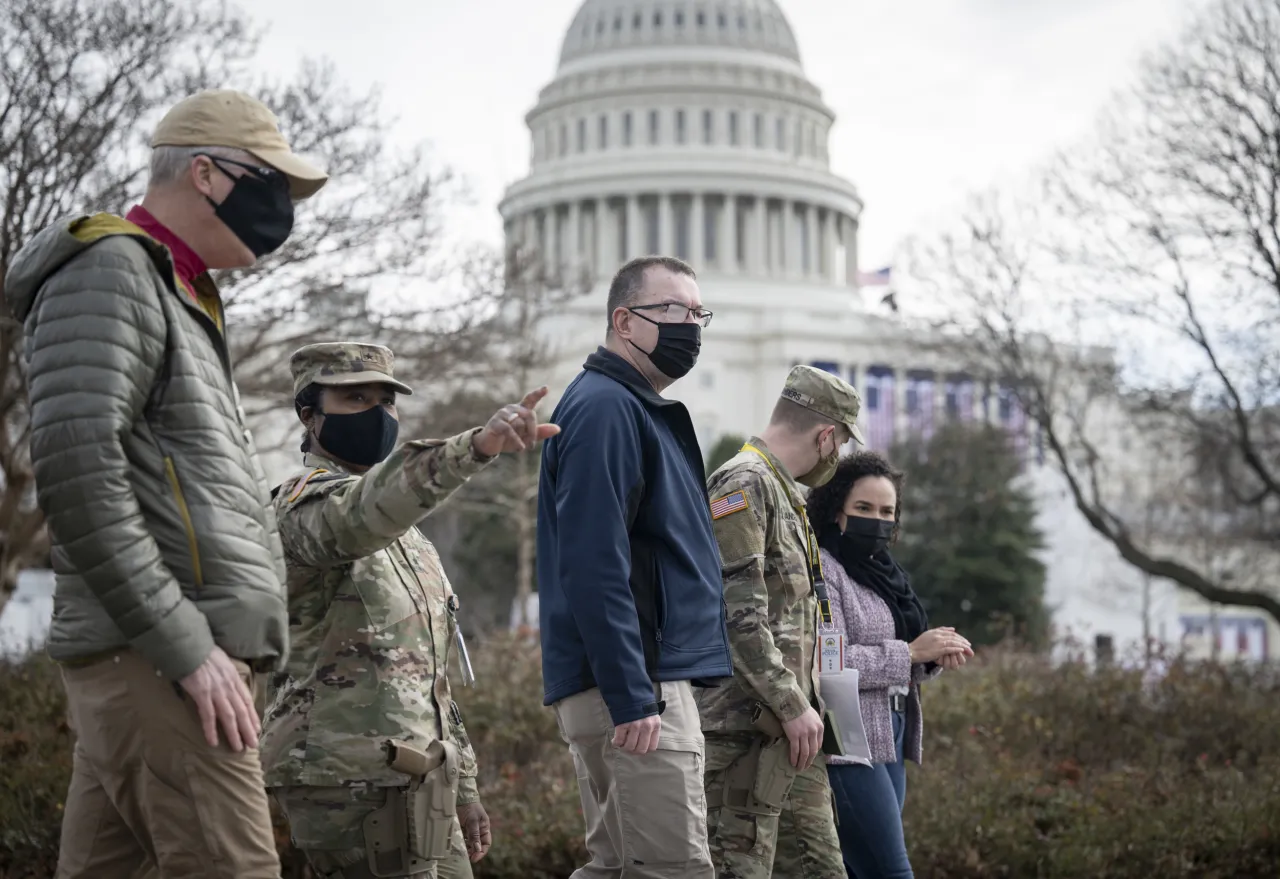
{"x": 840, "y": 693}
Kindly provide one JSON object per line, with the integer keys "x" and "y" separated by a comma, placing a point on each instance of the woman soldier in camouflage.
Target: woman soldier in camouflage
{"x": 364, "y": 696}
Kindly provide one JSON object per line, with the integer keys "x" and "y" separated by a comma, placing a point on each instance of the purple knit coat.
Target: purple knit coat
{"x": 882, "y": 661}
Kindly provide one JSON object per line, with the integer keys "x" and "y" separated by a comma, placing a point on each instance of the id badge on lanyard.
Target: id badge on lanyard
{"x": 830, "y": 639}
{"x": 831, "y": 654}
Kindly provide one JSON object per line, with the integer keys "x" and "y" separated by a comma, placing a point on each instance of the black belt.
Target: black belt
{"x": 898, "y": 703}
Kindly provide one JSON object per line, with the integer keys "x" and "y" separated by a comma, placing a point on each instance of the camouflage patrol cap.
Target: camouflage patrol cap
{"x": 344, "y": 363}
{"x": 825, "y": 394}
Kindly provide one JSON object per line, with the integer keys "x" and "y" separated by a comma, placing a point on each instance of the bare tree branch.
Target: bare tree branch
{"x": 82, "y": 83}
{"x": 1159, "y": 238}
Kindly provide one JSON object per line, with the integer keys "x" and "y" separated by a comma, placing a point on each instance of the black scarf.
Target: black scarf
{"x": 883, "y": 576}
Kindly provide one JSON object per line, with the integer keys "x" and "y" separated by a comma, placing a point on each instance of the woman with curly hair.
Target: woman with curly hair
{"x": 888, "y": 640}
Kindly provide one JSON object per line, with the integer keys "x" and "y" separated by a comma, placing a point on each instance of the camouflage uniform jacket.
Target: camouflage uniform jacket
{"x": 771, "y": 606}
{"x": 371, "y": 614}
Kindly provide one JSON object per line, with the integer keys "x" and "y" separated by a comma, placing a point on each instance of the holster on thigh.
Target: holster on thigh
{"x": 415, "y": 825}
{"x": 758, "y": 781}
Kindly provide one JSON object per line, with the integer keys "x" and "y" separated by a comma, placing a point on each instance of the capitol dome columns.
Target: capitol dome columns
{"x": 635, "y": 229}
{"x": 831, "y": 245}
{"x": 727, "y": 239}
{"x": 716, "y": 231}
{"x": 813, "y": 243}
{"x": 551, "y": 255}
{"x": 850, "y": 227}
{"x": 758, "y": 254}
{"x": 573, "y": 250}
{"x": 605, "y": 238}
{"x": 697, "y": 228}
{"x": 666, "y": 225}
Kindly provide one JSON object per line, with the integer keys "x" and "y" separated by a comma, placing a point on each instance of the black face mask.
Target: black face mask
{"x": 677, "y": 348}
{"x": 360, "y": 438}
{"x": 863, "y": 536}
{"x": 258, "y": 211}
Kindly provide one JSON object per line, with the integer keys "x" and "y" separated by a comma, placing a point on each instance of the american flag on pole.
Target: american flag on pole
{"x": 878, "y": 278}
{"x": 920, "y": 404}
{"x": 880, "y": 406}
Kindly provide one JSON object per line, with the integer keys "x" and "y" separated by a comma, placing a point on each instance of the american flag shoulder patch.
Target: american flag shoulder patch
{"x": 730, "y": 503}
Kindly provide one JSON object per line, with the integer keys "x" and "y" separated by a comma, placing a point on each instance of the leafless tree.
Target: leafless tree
{"x": 521, "y": 353}
{"x": 1132, "y": 297}
{"x": 82, "y": 83}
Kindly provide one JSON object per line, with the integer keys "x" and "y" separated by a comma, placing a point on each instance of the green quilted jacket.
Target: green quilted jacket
{"x": 163, "y": 536}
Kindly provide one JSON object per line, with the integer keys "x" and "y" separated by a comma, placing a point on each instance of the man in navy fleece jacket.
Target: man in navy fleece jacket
{"x": 630, "y": 595}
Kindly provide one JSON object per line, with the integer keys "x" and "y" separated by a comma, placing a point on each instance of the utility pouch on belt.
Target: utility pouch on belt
{"x": 759, "y": 780}
{"x": 774, "y": 772}
{"x": 414, "y": 827}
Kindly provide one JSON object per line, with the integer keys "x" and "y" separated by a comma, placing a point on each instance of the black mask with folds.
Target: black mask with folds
{"x": 257, "y": 210}
{"x": 864, "y": 536}
{"x": 862, "y": 549}
{"x": 677, "y": 350}
{"x": 360, "y": 438}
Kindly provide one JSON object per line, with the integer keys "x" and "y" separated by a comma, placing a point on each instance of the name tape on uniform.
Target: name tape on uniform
{"x": 730, "y": 503}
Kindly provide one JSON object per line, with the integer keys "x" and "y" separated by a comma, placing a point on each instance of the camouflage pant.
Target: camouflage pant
{"x": 327, "y": 823}
{"x": 798, "y": 842}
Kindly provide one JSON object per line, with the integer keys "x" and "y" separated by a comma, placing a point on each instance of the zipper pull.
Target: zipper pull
{"x": 658, "y": 635}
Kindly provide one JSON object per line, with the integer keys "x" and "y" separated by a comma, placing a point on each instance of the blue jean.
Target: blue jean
{"x": 869, "y": 815}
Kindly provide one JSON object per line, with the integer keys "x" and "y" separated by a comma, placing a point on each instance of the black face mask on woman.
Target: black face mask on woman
{"x": 677, "y": 348}
{"x": 864, "y": 536}
{"x": 257, "y": 210}
{"x": 360, "y": 438}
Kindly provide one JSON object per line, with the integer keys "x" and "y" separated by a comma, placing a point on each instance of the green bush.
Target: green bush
{"x": 35, "y": 768}
{"x": 1031, "y": 770}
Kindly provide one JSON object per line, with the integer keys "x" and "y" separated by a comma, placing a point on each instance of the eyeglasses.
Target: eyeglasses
{"x": 677, "y": 313}
{"x": 269, "y": 176}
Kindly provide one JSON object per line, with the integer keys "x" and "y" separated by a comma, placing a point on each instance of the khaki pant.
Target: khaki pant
{"x": 327, "y": 824}
{"x": 646, "y": 815}
{"x": 146, "y": 787}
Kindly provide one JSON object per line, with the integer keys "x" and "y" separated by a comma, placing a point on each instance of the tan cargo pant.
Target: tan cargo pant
{"x": 327, "y": 824}
{"x": 646, "y": 816}
{"x": 146, "y": 787}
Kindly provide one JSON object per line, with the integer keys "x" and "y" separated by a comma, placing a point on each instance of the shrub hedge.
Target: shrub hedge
{"x": 1031, "y": 770}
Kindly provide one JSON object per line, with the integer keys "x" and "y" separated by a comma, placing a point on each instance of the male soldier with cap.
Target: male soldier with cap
{"x": 763, "y": 728}
{"x": 372, "y": 622}
{"x": 170, "y": 587}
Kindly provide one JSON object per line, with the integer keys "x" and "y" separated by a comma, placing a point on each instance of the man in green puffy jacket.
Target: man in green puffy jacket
{"x": 170, "y": 592}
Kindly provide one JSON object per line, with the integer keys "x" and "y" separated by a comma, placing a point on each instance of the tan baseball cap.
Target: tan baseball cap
{"x": 826, "y": 394}
{"x": 334, "y": 364}
{"x": 228, "y": 118}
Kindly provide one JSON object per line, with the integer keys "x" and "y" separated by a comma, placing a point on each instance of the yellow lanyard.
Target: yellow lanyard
{"x": 811, "y": 542}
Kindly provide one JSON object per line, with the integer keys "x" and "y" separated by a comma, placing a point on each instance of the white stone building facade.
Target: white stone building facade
{"x": 688, "y": 127}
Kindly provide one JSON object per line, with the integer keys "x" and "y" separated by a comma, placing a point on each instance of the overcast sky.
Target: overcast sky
{"x": 933, "y": 98}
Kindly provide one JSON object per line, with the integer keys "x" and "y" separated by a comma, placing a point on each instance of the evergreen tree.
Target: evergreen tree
{"x": 724, "y": 449}
{"x": 969, "y": 538}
